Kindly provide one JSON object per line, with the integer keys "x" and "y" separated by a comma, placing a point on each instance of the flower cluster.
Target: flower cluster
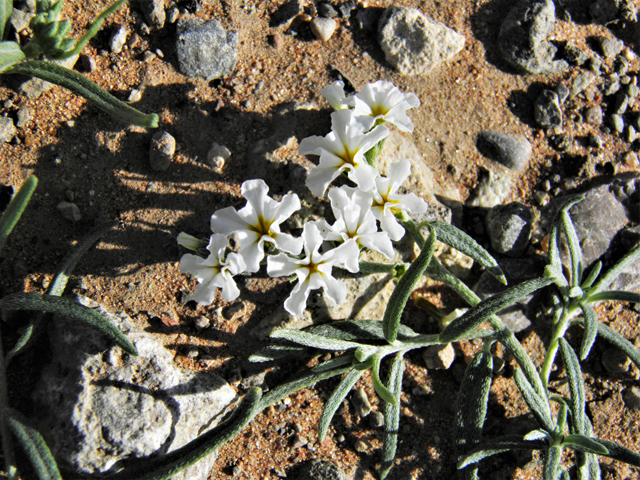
{"x": 366, "y": 215}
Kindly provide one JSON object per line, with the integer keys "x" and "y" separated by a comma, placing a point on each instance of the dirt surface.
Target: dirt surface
{"x": 81, "y": 155}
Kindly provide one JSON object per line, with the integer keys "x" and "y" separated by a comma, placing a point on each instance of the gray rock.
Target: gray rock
{"x": 523, "y": 38}
{"x": 25, "y": 115}
{"x": 582, "y": 81}
{"x": 512, "y": 151}
{"x": 70, "y": 211}
{"x": 563, "y": 92}
{"x": 610, "y": 47}
{"x": 509, "y": 228}
{"x": 547, "y": 110}
{"x": 615, "y": 361}
{"x": 608, "y": 11}
{"x": 326, "y": 10}
{"x": 285, "y": 12}
{"x": 491, "y": 190}
{"x": 118, "y": 39}
{"x": 617, "y": 122}
{"x": 154, "y": 12}
{"x": 414, "y": 44}
{"x": 205, "y": 49}
{"x": 7, "y": 129}
{"x": 593, "y": 115}
{"x": 98, "y": 406}
{"x": 360, "y": 402}
{"x": 163, "y": 146}
{"x": 376, "y": 420}
{"x": 632, "y": 398}
{"x": 319, "y": 469}
{"x": 20, "y": 19}
{"x": 35, "y": 87}
{"x": 574, "y": 55}
{"x": 323, "y": 28}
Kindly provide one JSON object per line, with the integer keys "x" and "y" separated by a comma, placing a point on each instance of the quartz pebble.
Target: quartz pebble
{"x": 118, "y": 39}
{"x": 323, "y": 28}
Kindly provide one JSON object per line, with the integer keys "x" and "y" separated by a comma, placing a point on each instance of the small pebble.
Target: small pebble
{"x": 595, "y": 141}
{"x": 360, "y": 402}
{"x": 172, "y": 14}
{"x": 70, "y": 211}
{"x": 298, "y": 441}
{"x": 202, "y": 322}
{"x": 88, "y": 63}
{"x": 631, "y": 398}
{"x": 135, "y": 96}
{"x": 118, "y": 39}
{"x": 7, "y": 129}
{"x": 439, "y": 357}
{"x": 630, "y": 159}
{"x": 360, "y": 446}
{"x": 323, "y": 28}
{"x": 25, "y": 115}
{"x": 593, "y": 115}
{"x": 163, "y": 146}
{"x": 610, "y": 47}
{"x": 326, "y": 10}
{"x": 376, "y": 420}
{"x": 630, "y": 134}
{"x": 617, "y": 122}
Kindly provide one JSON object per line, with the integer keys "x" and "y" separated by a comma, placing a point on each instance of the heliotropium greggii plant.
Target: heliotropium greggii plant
{"x": 570, "y": 428}
{"x": 13, "y": 425}
{"x": 50, "y": 41}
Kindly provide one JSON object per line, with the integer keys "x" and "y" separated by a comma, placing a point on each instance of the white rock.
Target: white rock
{"x": 7, "y": 129}
{"x": 118, "y": 39}
{"x": 323, "y": 28}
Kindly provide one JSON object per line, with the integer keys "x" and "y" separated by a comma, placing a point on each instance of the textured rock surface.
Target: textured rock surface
{"x": 509, "y": 228}
{"x": 205, "y": 49}
{"x": 523, "y": 38}
{"x": 512, "y": 151}
{"x": 412, "y": 43}
{"x": 99, "y": 406}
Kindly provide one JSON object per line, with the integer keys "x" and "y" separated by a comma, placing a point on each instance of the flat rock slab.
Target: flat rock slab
{"x": 414, "y": 44}
{"x": 100, "y": 408}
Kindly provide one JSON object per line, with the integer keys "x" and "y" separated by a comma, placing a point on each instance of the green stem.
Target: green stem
{"x": 7, "y": 442}
{"x": 368, "y": 268}
{"x": 559, "y": 330}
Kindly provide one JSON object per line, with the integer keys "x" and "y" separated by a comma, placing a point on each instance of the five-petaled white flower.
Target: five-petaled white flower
{"x": 355, "y": 219}
{"x": 334, "y": 93}
{"x": 387, "y": 203}
{"x": 258, "y": 222}
{"x": 383, "y": 102}
{"x": 341, "y": 150}
{"x": 216, "y": 271}
{"x": 314, "y": 270}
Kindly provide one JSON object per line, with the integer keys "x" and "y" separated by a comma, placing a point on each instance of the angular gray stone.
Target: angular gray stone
{"x": 7, "y": 129}
{"x": 360, "y": 402}
{"x": 509, "y": 228}
{"x": 70, "y": 211}
{"x": 610, "y": 47}
{"x": 607, "y": 11}
{"x": 547, "y": 109}
{"x": 523, "y": 38}
{"x": 205, "y": 49}
{"x": 491, "y": 189}
{"x": 512, "y": 151}
{"x": 154, "y": 12}
{"x": 163, "y": 146}
{"x": 414, "y": 44}
{"x": 98, "y": 406}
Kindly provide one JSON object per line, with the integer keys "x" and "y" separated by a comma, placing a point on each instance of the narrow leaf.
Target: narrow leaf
{"x": 69, "y": 308}
{"x": 575, "y": 252}
{"x": 165, "y": 466}
{"x": 23, "y": 341}
{"x": 6, "y": 7}
{"x": 400, "y": 294}
{"x": 481, "y": 312}
{"x": 609, "y": 334}
{"x": 358, "y": 331}
{"x": 538, "y": 406}
{"x": 608, "y": 278}
{"x": 576, "y": 386}
{"x": 552, "y": 469}
{"x": 335, "y": 400}
{"x": 274, "y": 352}
{"x": 593, "y": 275}
{"x": 456, "y": 238}
{"x": 584, "y": 444}
{"x": 590, "y": 330}
{"x": 311, "y": 340}
{"x": 34, "y": 446}
{"x": 499, "y": 445}
{"x": 84, "y": 87}
{"x": 14, "y": 211}
{"x": 392, "y": 415}
{"x": 345, "y": 359}
{"x": 70, "y": 261}
{"x": 616, "y": 295}
{"x": 620, "y": 453}
{"x": 538, "y": 435}
{"x": 10, "y": 52}
{"x": 382, "y": 391}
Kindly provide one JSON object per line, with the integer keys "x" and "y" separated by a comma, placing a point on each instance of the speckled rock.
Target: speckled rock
{"x": 414, "y": 44}
{"x": 7, "y": 129}
{"x": 491, "y": 189}
{"x": 512, "y": 151}
{"x": 547, "y": 109}
{"x": 319, "y": 469}
{"x": 163, "y": 146}
{"x": 509, "y": 228}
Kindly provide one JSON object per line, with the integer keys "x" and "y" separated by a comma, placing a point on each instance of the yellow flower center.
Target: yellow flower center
{"x": 262, "y": 226}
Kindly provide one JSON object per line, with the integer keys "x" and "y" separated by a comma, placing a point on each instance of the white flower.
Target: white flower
{"x": 384, "y": 102}
{"x": 314, "y": 270}
{"x": 341, "y": 150}
{"x": 334, "y": 93}
{"x": 190, "y": 242}
{"x": 355, "y": 219}
{"x": 387, "y": 203}
{"x": 216, "y": 271}
{"x": 258, "y": 222}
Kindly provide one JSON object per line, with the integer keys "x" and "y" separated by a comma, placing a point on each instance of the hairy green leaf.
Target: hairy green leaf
{"x": 358, "y": 331}
{"x": 10, "y": 53}
{"x": 6, "y": 7}
{"x": 499, "y": 445}
{"x": 392, "y": 415}
{"x": 616, "y": 295}
{"x": 34, "y": 446}
{"x": 552, "y": 469}
{"x": 482, "y": 311}
{"x": 576, "y": 386}
{"x": 335, "y": 400}
{"x": 456, "y": 238}
{"x": 609, "y": 334}
{"x": 400, "y": 294}
{"x": 312, "y": 340}
{"x": 575, "y": 252}
{"x": 69, "y": 308}
{"x": 593, "y": 275}
{"x": 70, "y": 261}
{"x": 14, "y": 211}
{"x": 84, "y": 87}
{"x": 590, "y": 330}
{"x": 620, "y": 453}
{"x": 608, "y": 278}
{"x": 380, "y": 388}
{"x": 538, "y": 406}
{"x": 274, "y": 352}
{"x": 471, "y": 405}
{"x": 584, "y": 444}
{"x": 345, "y": 359}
